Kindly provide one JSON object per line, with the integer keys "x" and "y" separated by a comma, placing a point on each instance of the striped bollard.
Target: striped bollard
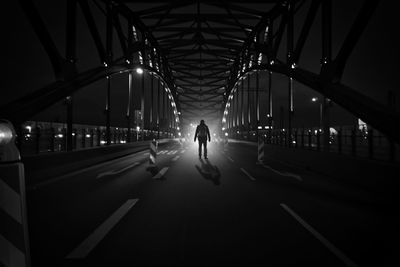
{"x": 260, "y": 149}
{"x": 153, "y": 153}
{"x": 14, "y": 238}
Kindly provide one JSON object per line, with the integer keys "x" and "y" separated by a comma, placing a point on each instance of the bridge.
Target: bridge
{"x": 99, "y": 163}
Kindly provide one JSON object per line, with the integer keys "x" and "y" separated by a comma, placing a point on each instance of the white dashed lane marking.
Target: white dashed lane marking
{"x": 321, "y": 238}
{"x": 248, "y": 174}
{"x": 161, "y": 173}
{"x": 91, "y": 242}
{"x": 175, "y": 158}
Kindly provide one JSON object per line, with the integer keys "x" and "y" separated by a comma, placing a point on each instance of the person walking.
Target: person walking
{"x": 202, "y": 132}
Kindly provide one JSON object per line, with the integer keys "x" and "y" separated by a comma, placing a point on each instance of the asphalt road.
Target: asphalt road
{"x": 224, "y": 210}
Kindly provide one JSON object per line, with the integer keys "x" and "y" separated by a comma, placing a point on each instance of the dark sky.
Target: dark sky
{"x": 372, "y": 68}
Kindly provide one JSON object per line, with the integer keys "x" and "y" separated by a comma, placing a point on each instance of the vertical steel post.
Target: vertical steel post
{"x": 142, "y": 103}
{"x": 108, "y": 111}
{"x": 70, "y": 51}
{"x": 164, "y": 109}
{"x": 158, "y": 109}
{"x": 151, "y": 103}
{"x": 69, "y": 122}
{"x": 326, "y": 59}
{"x": 290, "y": 63}
{"x": 242, "y": 105}
{"x": 257, "y": 103}
{"x": 128, "y": 108}
{"x": 248, "y": 107}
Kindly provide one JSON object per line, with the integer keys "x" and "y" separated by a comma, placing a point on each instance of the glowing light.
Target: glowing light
{"x": 29, "y": 128}
{"x": 137, "y": 128}
{"x": 259, "y": 127}
{"x": 88, "y": 136}
{"x": 314, "y": 99}
{"x": 178, "y": 128}
{"x": 105, "y": 64}
{"x": 127, "y": 61}
{"x": 179, "y": 134}
{"x": 73, "y": 134}
{"x": 293, "y": 65}
{"x": 139, "y": 71}
{"x": 223, "y": 128}
{"x": 226, "y": 134}
{"x": 60, "y": 135}
{"x": 102, "y": 142}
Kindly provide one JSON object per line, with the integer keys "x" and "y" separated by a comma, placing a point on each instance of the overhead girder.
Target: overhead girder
{"x": 22, "y": 109}
{"x": 327, "y": 82}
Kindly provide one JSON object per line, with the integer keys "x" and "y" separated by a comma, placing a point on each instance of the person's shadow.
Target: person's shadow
{"x": 209, "y": 172}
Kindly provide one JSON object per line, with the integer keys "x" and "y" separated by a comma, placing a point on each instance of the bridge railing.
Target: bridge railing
{"x": 347, "y": 140}
{"x": 44, "y": 137}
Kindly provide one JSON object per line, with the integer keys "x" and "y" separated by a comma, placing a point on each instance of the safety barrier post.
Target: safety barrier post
{"x": 260, "y": 149}
{"x": 14, "y": 240}
{"x": 153, "y": 153}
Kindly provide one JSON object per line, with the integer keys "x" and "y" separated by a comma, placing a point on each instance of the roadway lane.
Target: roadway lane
{"x": 204, "y": 212}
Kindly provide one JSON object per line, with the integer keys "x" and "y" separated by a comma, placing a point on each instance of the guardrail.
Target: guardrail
{"x": 42, "y": 137}
{"x": 348, "y": 140}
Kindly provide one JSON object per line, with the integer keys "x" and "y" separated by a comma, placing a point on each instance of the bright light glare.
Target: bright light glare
{"x": 139, "y": 71}
{"x": 137, "y": 128}
{"x": 226, "y": 134}
{"x": 88, "y": 136}
{"x": 314, "y": 99}
{"x": 5, "y": 134}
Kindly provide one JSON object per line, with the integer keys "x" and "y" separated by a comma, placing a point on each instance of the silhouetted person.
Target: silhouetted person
{"x": 202, "y": 133}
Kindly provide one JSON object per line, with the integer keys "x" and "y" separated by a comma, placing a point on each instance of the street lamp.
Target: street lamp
{"x": 139, "y": 71}
{"x": 137, "y": 133}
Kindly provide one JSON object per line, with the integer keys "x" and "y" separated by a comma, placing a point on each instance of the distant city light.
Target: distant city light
{"x": 102, "y": 142}
{"x": 88, "y": 136}
{"x": 314, "y": 99}
{"x": 60, "y": 135}
{"x": 139, "y": 71}
{"x": 226, "y": 134}
{"x": 259, "y": 127}
{"x": 223, "y": 128}
{"x": 137, "y": 128}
